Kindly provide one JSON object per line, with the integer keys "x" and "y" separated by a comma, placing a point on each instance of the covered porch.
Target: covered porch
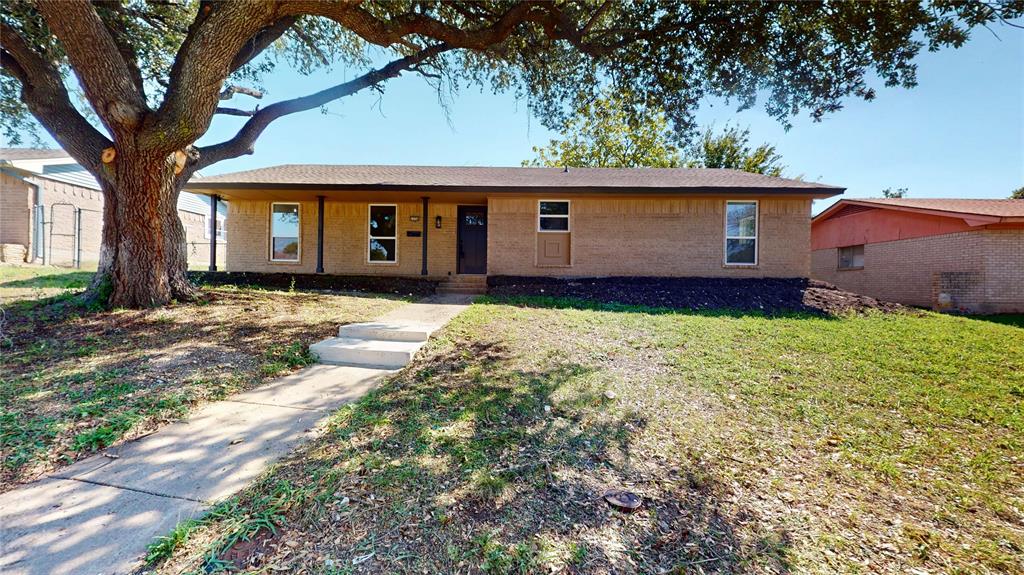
{"x": 425, "y": 233}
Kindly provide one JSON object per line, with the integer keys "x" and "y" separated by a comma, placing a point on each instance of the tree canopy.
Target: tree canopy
{"x": 601, "y": 134}
{"x": 153, "y": 75}
{"x": 1017, "y": 194}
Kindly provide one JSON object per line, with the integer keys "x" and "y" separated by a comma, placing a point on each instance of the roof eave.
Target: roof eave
{"x": 816, "y": 192}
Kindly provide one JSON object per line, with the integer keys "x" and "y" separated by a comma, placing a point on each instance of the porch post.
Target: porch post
{"x": 213, "y": 232}
{"x": 426, "y": 200}
{"x": 319, "y": 234}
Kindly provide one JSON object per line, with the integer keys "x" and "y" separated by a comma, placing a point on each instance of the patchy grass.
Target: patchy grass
{"x": 31, "y": 282}
{"x": 74, "y": 381}
{"x": 862, "y": 444}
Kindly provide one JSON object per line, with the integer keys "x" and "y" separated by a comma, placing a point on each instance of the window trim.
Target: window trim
{"x": 839, "y": 258}
{"x": 298, "y": 252}
{"x": 567, "y": 216}
{"x": 755, "y": 237}
{"x": 370, "y": 237}
{"x": 223, "y": 231}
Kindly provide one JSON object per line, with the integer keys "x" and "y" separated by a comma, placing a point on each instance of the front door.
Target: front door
{"x": 472, "y": 240}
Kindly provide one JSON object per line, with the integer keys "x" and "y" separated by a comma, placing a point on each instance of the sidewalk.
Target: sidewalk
{"x": 98, "y": 515}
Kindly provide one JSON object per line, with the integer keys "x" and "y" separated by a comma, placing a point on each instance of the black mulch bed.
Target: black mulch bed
{"x": 769, "y": 295}
{"x": 376, "y": 284}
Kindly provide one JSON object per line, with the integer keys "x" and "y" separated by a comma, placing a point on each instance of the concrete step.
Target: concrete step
{"x": 365, "y": 352}
{"x": 473, "y": 290}
{"x": 387, "y": 331}
{"x": 461, "y": 281}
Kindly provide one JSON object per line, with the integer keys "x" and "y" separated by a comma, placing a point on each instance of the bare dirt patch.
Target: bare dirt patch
{"x": 76, "y": 381}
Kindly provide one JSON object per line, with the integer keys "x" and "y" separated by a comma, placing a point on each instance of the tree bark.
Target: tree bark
{"x": 143, "y": 259}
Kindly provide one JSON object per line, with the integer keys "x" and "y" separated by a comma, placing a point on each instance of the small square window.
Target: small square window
{"x": 553, "y": 216}
{"x": 851, "y": 257}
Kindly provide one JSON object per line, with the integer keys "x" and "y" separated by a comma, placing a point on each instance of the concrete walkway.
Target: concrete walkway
{"x": 98, "y": 515}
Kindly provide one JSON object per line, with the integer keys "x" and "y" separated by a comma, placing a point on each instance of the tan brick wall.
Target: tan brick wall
{"x": 346, "y": 238}
{"x": 15, "y": 210}
{"x": 985, "y": 269}
{"x": 649, "y": 237}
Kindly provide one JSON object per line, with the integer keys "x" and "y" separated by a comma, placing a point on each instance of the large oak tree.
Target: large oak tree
{"x": 153, "y": 74}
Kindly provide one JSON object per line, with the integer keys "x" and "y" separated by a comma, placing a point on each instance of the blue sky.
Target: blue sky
{"x": 959, "y": 133}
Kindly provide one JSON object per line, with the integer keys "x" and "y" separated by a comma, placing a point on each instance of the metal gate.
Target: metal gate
{"x": 64, "y": 244}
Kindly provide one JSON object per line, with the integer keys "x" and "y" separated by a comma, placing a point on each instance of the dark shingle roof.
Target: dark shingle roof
{"x": 483, "y": 178}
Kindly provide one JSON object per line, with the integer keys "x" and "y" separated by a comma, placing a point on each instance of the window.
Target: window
{"x": 284, "y": 232}
{"x": 741, "y": 233}
{"x": 553, "y": 216}
{"x": 220, "y": 227}
{"x": 383, "y": 234}
{"x": 851, "y": 257}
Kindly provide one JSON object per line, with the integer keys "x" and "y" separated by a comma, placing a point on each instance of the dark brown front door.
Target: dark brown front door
{"x": 472, "y": 239}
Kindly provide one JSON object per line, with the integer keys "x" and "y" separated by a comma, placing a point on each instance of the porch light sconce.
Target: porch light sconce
{"x": 414, "y": 218}
{"x": 437, "y": 222}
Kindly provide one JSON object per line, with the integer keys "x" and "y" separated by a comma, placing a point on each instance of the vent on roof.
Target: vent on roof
{"x": 851, "y": 209}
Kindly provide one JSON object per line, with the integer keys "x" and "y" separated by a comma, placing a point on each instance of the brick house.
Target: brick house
{"x": 950, "y": 254}
{"x": 444, "y": 222}
{"x": 51, "y": 211}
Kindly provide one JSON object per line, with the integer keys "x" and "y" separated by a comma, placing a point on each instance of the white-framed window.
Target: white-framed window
{"x": 285, "y": 226}
{"x": 221, "y": 230}
{"x": 741, "y": 233}
{"x": 553, "y": 216}
{"x": 851, "y": 257}
{"x": 383, "y": 234}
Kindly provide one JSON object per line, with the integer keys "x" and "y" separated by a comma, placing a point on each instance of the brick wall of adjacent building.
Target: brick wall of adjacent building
{"x": 60, "y": 201}
{"x": 15, "y": 210}
{"x": 346, "y": 239}
{"x": 982, "y": 271}
{"x": 197, "y": 242}
{"x": 649, "y": 237}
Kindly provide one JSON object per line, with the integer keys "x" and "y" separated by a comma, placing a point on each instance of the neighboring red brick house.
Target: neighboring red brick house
{"x": 51, "y": 211}
{"x": 948, "y": 254}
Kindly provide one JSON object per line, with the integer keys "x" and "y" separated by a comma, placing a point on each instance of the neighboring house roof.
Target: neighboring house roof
{"x": 11, "y": 154}
{"x": 36, "y": 162}
{"x": 447, "y": 178}
{"x": 981, "y": 211}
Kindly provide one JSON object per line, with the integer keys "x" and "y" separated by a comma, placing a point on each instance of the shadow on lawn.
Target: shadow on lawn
{"x": 1010, "y": 319}
{"x": 78, "y": 380}
{"x": 467, "y": 467}
{"x": 69, "y": 280}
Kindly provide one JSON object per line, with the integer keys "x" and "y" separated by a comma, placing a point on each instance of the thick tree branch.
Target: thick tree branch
{"x": 242, "y": 143}
{"x": 94, "y": 55}
{"x": 264, "y": 38}
{"x": 223, "y": 36}
{"x": 43, "y": 91}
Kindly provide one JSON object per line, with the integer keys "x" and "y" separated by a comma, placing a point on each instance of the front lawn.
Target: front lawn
{"x": 24, "y": 282}
{"x": 73, "y": 381}
{"x": 871, "y": 443}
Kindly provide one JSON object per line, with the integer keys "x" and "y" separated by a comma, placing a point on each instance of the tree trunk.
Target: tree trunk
{"x": 143, "y": 255}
